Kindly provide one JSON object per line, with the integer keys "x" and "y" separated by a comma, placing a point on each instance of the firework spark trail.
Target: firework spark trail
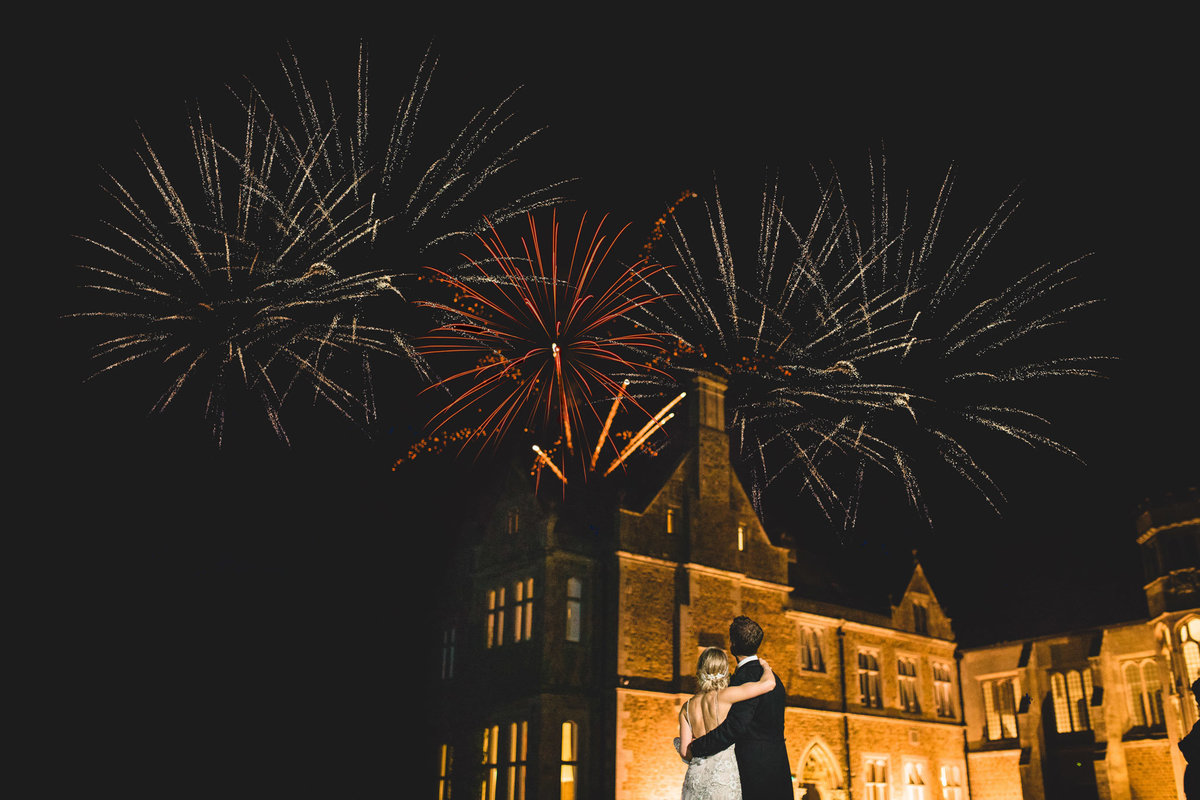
{"x": 826, "y": 333}
{"x": 265, "y": 281}
{"x": 541, "y": 337}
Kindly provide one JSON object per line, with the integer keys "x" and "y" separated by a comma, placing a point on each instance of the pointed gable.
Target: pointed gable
{"x": 918, "y": 609}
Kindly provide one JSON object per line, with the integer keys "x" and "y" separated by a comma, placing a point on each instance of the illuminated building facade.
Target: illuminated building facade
{"x": 571, "y": 632}
{"x": 1096, "y": 713}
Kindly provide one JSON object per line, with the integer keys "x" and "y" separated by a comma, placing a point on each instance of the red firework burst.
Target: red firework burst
{"x": 546, "y": 337}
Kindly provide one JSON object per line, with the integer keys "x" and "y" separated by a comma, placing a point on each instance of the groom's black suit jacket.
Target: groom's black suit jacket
{"x": 756, "y": 726}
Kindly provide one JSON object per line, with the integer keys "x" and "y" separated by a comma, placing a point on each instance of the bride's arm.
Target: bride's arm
{"x": 736, "y": 694}
{"x": 685, "y": 733}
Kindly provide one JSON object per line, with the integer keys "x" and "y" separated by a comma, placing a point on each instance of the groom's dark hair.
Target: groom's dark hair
{"x": 744, "y": 636}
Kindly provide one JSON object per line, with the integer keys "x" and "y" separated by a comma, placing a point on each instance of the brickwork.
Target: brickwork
{"x": 1151, "y": 776}
{"x": 647, "y": 765}
{"x": 645, "y": 619}
{"x": 996, "y": 776}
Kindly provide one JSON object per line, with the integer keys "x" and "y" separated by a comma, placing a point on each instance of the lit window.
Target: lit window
{"x": 920, "y": 618}
{"x": 811, "y": 657}
{"x": 1000, "y": 709}
{"x": 741, "y": 537}
{"x": 671, "y": 519}
{"x": 514, "y": 521}
{"x": 951, "y": 782}
{"x": 942, "y": 690}
{"x": 1144, "y": 693}
{"x": 448, "y": 653}
{"x": 914, "y": 780}
{"x": 906, "y": 669}
{"x": 445, "y": 764}
{"x": 875, "y": 778}
{"x": 518, "y": 752}
{"x": 1071, "y": 692}
{"x": 491, "y": 746}
{"x": 568, "y": 772}
{"x": 495, "y": 624}
{"x": 574, "y": 609}
{"x": 1189, "y": 642}
{"x": 868, "y": 679}
{"x": 523, "y": 610}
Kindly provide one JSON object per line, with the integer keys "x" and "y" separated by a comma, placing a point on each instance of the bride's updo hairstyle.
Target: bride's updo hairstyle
{"x": 712, "y": 670}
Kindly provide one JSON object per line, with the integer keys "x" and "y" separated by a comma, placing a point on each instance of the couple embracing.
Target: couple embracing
{"x": 731, "y": 731}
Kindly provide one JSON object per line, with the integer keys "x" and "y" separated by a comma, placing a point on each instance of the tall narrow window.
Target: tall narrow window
{"x": 523, "y": 610}
{"x": 914, "y": 781}
{"x": 445, "y": 764}
{"x": 574, "y": 609}
{"x": 875, "y": 778}
{"x": 906, "y": 669}
{"x": 1189, "y": 643}
{"x": 671, "y": 519}
{"x": 741, "y": 536}
{"x": 951, "y": 782}
{"x": 491, "y": 771}
{"x": 811, "y": 657}
{"x": 495, "y": 623}
{"x": 518, "y": 753}
{"x": 1071, "y": 692}
{"x": 1000, "y": 709}
{"x": 868, "y": 679}
{"x": 569, "y": 765}
{"x": 942, "y": 690}
{"x": 1145, "y": 694}
{"x": 448, "y": 653}
{"x": 514, "y": 521}
{"x": 920, "y": 618}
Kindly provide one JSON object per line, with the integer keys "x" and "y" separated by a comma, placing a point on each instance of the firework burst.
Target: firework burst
{"x": 853, "y": 352}
{"x": 546, "y": 339}
{"x": 267, "y": 277}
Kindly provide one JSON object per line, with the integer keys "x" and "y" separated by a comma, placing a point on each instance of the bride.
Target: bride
{"x": 714, "y": 777}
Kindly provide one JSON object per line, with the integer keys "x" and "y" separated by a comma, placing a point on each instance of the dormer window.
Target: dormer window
{"x": 920, "y": 618}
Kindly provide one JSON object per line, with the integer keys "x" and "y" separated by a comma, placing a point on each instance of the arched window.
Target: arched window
{"x": 868, "y": 679}
{"x": 569, "y": 765}
{"x": 875, "y": 778}
{"x": 952, "y": 784}
{"x": 914, "y": 781}
{"x": 1000, "y": 709}
{"x": 811, "y": 657}
{"x": 1144, "y": 693}
{"x": 819, "y": 776}
{"x": 1072, "y": 692}
{"x": 1189, "y": 645}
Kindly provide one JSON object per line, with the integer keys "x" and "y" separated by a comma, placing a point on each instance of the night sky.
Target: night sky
{"x": 256, "y": 607}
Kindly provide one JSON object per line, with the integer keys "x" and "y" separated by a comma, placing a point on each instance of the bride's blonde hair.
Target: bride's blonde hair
{"x": 712, "y": 670}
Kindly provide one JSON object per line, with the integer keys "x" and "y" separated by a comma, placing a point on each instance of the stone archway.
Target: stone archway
{"x": 819, "y": 777}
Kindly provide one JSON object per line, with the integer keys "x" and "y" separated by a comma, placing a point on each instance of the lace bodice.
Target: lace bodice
{"x": 712, "y": 777}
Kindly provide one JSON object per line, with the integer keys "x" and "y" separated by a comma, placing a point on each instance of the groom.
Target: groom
{"x": 755, "y": 725}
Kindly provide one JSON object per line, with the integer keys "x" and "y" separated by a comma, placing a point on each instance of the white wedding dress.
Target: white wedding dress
{"x": 712, "y": 777}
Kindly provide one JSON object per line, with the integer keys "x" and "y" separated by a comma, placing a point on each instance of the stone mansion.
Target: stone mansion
{"x": 570, "y": 633}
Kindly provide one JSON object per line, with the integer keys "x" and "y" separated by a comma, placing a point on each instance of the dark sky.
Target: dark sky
{"x": 258, "y": 595}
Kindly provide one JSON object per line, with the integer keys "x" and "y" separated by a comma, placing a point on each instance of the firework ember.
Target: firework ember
{"x": 851, "y": 354}
{"x": 546, "y": 335}
{"x": 265, "y": 278}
